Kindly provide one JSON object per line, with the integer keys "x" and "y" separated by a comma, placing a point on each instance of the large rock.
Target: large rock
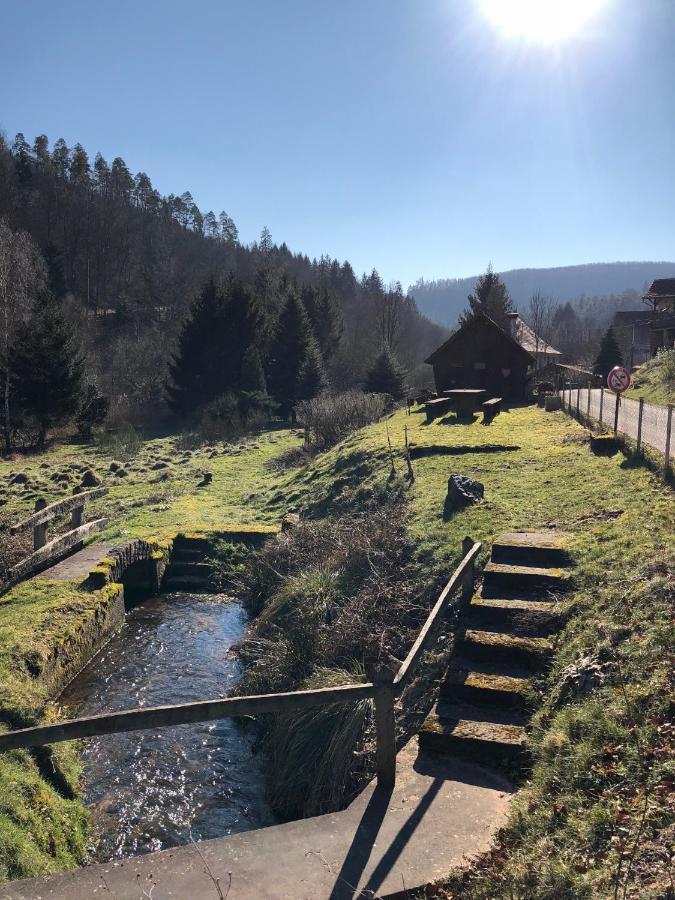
{"x": 552, "y": 403}
{"x": 463, "y": 490}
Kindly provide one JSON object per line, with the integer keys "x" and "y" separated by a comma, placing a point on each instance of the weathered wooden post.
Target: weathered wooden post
{"x": 588, "y": 404}
{"x": 385, "y": 726}
{"x": 602, "y": 400}
{"x": 76, "y": 516}
{"x": 616, "y": 413}
{"x": 40, "y": 531}
{"x": 578, "y": 395}
{"x": 469, "y": 573}
{"x": 639, "y": 431}
{"x": 669, "y": 425}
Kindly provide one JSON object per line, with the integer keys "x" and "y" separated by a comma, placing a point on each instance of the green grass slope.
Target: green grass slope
{"x": 654, "y": 381}
{"x": 594, "y": 811}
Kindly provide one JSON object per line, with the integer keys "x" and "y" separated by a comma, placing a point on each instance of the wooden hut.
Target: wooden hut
{"x": 482, "y": 355}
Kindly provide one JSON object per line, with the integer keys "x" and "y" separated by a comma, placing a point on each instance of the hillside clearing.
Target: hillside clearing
{"x": 568, "y": 829}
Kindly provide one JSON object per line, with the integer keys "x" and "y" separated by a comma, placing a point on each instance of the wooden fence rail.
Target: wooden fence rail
{"x": 384, "y": 690}
{"x": 43, "y": 550}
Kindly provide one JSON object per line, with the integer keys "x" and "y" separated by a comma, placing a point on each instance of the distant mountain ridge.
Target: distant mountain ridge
{"x": 444, "y": 300}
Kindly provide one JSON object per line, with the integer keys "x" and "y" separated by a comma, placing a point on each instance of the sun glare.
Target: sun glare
{"x": 545, "y": 21}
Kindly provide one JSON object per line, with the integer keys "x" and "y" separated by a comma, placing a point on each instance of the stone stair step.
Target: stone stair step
{"x": 529, "y": 652}
{"x": 522, "y": 581}
{"x": 531, "y": 548}
{"x": 187, "y": 583}
{"x": 523, "y": 618}
{"x": 191, "y": 542}
{"x": 196, "y": 569}
{"x": 184, "y": 554}
{"x": 472, "y": 686}
{"x": 447, "y": 731}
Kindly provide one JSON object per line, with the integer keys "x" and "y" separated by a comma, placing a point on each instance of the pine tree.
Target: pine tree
{"x": 490, "y": 296}
{"x": 326, "y": 318}
{"x": 195, "y": 376}
{"x": 609, "y": 354}
{"x": 224, "y": 327}
{"x": 48, "y": 371}
{"x": 386, "y": 376}
{"x": 252, "y": 372}
{"x": 296, "y": 366}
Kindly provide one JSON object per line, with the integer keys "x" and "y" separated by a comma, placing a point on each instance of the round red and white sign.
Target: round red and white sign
{"x": 619, "y": 379}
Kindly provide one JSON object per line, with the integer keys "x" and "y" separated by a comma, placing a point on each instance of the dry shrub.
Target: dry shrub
{"x": 331, "y": 417}
{"x": 335, "y": 601}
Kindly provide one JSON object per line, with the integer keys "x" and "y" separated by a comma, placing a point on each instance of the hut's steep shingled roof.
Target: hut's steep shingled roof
{"x": 478, "y": 315}
{"x": 660, "y": 288}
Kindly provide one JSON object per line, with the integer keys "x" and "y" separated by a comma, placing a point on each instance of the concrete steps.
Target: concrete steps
{"x": 522, "y": 581}
{"x": 533, "y": 548}
{"x": 527, "y": 618}
{"x": 530, "y": 653}
{"x": 187, "y": 570}
{"x": 471, "y": 733}
{"x": 485, "y": 695}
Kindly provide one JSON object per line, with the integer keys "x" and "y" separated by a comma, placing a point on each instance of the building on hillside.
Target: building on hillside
{"x": 632, "y": 330}
{"x": 482, "y": 355}
{"x": 561, "y": 374}
{"x": 644, "y": 332}
{"x": 661, "y": 295}
{"x": 542, "y": 352}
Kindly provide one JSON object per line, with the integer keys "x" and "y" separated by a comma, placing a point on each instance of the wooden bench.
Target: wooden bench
{"x": 491, "y": 408}
{"x": 437, "y": 406}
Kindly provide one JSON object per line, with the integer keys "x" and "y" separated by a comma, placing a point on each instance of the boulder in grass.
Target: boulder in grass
{"x": 463, "y": 490}
{"x": 552, "y": 402}
{"x": 19, "y": 478}
{"x": 114, "y": 466}
{"x": 207, "y": 478}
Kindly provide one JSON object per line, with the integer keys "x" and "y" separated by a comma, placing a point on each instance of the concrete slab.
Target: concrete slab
{"x": 440, "y": 812}
{"x": 78, "y": 566}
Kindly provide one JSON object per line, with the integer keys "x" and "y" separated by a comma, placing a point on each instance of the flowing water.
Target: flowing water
{"x": 158, "y": 788}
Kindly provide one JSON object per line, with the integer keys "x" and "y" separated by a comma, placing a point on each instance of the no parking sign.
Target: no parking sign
{"x": 619, "y": 379}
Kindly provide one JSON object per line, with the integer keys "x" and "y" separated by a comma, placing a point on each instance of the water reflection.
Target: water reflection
{"x": 158, "y": 788}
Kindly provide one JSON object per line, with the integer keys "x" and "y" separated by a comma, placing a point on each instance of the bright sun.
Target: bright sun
{"x": 546, "y": 21}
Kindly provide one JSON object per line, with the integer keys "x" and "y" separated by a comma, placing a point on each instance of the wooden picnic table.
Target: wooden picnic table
{"x": 466, "y": 400}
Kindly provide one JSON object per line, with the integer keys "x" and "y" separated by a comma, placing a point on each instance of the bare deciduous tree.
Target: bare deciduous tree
{"x": 22, "y": 278}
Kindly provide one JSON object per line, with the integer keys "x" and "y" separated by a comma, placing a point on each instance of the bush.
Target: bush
{"x": 123, "y": 443}
{"x": 335, "y": 603}
{"x": 331, "y": 417}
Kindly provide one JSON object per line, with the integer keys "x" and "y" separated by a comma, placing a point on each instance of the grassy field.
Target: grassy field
{"x": 596, "y": 802}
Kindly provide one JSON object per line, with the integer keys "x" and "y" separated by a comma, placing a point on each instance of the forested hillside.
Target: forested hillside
{"x": 607, "y": 287}
{"x": 125, "y": 263}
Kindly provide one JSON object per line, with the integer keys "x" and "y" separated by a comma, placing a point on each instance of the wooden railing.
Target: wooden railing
{"x": 44, "y": 551}
{"x": 384, "y": 690}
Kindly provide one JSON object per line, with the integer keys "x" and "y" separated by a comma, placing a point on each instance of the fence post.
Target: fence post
{"x": 588, "y": 404}
{"x": 468, "y": 576}
{"x": 76, "y": 516}
{"x": 40, "y": 531}
{"x": 602, "y": 400}
{"x": 639, "y": 432}
{"x": 385, "y": 729}
{"x": 578, "y": 395}
{"x": 616, "y": 413}
{"x": 669, "y": 425}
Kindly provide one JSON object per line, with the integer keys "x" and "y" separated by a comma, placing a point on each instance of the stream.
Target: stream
{"x": 152, "y": 789}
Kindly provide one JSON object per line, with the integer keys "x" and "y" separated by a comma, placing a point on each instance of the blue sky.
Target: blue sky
{"x": 409, "y": 135}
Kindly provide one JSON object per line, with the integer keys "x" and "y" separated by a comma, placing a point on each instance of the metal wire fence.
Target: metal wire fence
{"x": 642, "y": 422}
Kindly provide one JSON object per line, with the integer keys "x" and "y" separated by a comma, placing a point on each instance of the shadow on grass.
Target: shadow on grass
{"x": 444, "y": 450}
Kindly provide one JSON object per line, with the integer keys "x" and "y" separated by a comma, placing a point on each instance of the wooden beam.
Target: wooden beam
{"x": 427, "y": 632}
{"x": 182, "y": 714}
{"x": 55, "y": 548}
{"x": 55, "y": 509}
